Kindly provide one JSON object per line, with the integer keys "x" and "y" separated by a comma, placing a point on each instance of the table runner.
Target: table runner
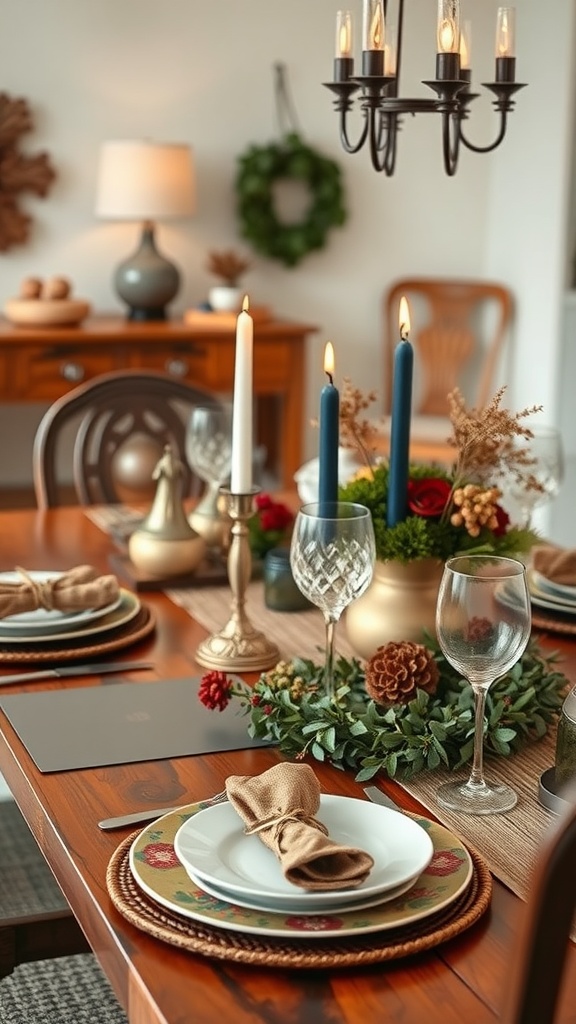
{"x": 508, "y": 841}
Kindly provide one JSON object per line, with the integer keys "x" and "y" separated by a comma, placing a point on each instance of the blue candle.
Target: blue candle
{"x": 400, "y": 426}
{"x": 329, "y": 433}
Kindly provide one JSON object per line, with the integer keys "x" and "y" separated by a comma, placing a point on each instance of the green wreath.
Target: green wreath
{"x": 259, "y": 168}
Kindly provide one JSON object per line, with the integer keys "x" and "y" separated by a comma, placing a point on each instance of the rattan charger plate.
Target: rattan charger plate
{"x": 554, "y": 623}
{"x": 115, "y": 639}
{"x": 373, "y": 948}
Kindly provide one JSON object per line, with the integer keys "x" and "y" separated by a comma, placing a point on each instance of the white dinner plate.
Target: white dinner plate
{"x": 548, "y": 591}
{"x": 280, "y": 907}
{"x": 45, "y": 621}
{"x": 126, "y": 609}
{"x": 214, "y": 846}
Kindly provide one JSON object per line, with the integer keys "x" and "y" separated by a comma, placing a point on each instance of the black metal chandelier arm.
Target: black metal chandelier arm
{"x": 499, "y": 138}
{"x": 388, "y": 142}
{"x": 351, "y": 147}
{"x": 451, "y": 136}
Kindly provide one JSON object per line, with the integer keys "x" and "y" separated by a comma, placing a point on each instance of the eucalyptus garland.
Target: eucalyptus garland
{"x": 288, "y": 706}
{"x": 260, "y": 168}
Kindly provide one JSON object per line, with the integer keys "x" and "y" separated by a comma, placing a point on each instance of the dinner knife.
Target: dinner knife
{"x": 378, "y": 797}
{"x": 141, "y": 817}
{"x": 92, "y": 669}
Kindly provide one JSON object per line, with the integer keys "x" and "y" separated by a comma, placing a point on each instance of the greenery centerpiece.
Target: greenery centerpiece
{"x": 404, "y": 709}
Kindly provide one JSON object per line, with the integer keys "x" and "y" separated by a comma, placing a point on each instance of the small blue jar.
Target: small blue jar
{"x": 280, "y": 591}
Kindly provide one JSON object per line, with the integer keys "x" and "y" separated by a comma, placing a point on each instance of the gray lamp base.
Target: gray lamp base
{"x": 147, "y": 281}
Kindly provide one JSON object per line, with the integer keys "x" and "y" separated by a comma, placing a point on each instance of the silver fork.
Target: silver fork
{"x": 141, "y": 817}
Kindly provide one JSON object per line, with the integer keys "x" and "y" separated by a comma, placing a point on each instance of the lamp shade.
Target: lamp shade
{"x": 145, "y": 181}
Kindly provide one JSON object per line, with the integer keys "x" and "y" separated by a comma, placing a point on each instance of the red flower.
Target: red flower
{"x": 503, "y": 521}
{"x": 445, "y": 862}
{"x": 428, "y": 497}
{"x": 160, "y": 855}
{"x": 275, "y": 517}
{"x": 215, "y": 690}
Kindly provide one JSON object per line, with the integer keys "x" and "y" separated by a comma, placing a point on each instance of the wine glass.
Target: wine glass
{"x": 545, "y": 447}
{"x": 483, "y": 626}
{"x": 209, "y": 454}
{"x": 332, "y": 557}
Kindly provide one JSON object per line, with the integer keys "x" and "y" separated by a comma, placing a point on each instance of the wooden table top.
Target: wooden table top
{"x": 158, "y": 984}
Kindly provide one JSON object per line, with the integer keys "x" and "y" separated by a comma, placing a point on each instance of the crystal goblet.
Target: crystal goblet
{"x": 332, "y": 558}
{"x": 209, "y": 454}
{"x": 483, "y": 626}
{"x": 546, "y": 449}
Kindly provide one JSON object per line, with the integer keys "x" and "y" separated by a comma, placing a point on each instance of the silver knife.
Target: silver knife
{"x": 93, "y": 669}
{"x": 141, "y": 817}
{"x": 378, "y": 797}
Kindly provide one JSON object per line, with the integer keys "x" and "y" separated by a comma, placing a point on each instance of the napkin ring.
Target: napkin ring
{"x": 278, "y": 820}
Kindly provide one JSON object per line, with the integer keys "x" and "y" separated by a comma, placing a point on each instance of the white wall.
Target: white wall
{"x": 201, "y": 72}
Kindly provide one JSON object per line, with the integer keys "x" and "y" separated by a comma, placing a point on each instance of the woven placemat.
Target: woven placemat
{"x": 352, "y": 951}
{"x": 554, "y": 623}
{"x": 111, "y": 640}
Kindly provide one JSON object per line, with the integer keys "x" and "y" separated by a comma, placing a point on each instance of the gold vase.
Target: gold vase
{"x": 399, "y": 604}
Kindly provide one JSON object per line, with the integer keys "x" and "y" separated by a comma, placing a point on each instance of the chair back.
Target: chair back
{"x": 117, "y": 425}
{"x": 533, "y": 983}
{"x": 458, "y": 331}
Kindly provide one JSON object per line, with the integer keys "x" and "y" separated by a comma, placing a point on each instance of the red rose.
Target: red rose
{"x": 215, "y": 690}
{"x": 428, "y": 497}
{"x": 263, "y": 501}
{"x": 503, "y": 521}
{"x": 275, "y": 517}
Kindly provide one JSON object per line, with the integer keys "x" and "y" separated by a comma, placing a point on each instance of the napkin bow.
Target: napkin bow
{"x": 556, "y": 564}
{"x": 280, "y": 807}
{"x": 76, "y": 590}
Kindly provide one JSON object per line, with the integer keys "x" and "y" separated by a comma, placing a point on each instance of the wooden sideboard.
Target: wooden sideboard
{"x": 41, "y": 364}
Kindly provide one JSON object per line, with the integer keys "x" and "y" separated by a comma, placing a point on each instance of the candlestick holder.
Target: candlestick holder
{"x": 238, "y": 647}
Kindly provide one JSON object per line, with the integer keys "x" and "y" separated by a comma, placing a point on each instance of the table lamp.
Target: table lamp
{"x": 145, "y": 181}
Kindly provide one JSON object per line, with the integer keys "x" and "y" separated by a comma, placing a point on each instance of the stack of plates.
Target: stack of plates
{"x": 222, "y": 877}
{"x": 45, "y": 629}
{"x": 554, "y": 597}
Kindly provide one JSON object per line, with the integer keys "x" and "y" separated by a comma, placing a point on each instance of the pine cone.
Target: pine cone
{"x": 396, "y": 670}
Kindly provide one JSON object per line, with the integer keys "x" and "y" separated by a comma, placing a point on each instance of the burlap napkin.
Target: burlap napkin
{"x": 280, "y": 806}
{"x": 80, "y": 588}
{"x": 556, "y": 564}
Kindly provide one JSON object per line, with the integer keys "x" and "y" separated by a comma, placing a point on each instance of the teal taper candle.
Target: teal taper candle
{"x": 400, "y": 426}
{"x": 329, "y": 433}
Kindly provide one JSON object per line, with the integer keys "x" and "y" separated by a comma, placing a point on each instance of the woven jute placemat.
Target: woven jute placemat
{"x": 554, "y": 623}
{"x": 115, "y": 639}
{"x": 376, "y": 947}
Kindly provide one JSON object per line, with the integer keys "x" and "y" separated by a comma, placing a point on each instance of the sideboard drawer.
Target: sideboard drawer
{"x": 47, "y": 373}
{"x": 188, "y": 361}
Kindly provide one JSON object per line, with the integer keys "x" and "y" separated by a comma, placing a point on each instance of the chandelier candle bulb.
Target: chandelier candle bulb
{"x": 343, "y": 60}
{"x": 329, "y": 433}
{"x": 466, "y": 52}
{"x": 506, "y": 44}
{"x": 448, "y": 41}
{"x": 241, "y": 467}
{"x": 400, "y": 422}
{"x": 373, "y": 37}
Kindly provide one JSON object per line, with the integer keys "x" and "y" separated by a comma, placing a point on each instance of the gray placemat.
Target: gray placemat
{"x": 118, "y": 723}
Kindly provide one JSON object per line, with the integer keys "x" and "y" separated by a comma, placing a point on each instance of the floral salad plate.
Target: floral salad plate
{"x": 158, "y": 872}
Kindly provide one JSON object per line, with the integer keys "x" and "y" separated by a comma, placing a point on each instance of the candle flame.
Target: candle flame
{"x": 404, "y": 318}
{"x": 245, "y": 304}
{"x": 329, "y": 359}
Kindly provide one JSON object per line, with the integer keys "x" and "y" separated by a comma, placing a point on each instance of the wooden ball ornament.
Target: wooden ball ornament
{"x": 30, "y": 288}
{"x": 56, "y": 288}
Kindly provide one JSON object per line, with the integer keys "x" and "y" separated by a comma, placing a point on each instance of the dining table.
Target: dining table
{"x": 461, "y": 979}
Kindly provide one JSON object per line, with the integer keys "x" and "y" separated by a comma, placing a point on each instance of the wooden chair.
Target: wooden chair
{"x": 533, "y": 983}
{"x": 117, "y": 425}
{"x": 458, "y": 330}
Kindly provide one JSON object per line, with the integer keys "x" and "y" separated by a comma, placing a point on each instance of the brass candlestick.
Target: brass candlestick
{"x": 238, "y": 647}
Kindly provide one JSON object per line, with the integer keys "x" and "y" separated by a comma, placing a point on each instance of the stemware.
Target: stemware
{"x": 332, "y": 558}
{"x": 209, "y": 454}
{"x": 545, "y": 448}
{"x": 483, "y": 626}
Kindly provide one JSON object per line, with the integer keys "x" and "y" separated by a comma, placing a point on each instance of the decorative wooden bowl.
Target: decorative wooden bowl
{"x": 46, "y": 312}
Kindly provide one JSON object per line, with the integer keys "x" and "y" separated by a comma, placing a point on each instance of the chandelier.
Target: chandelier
{"x": 383, "y": 108}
